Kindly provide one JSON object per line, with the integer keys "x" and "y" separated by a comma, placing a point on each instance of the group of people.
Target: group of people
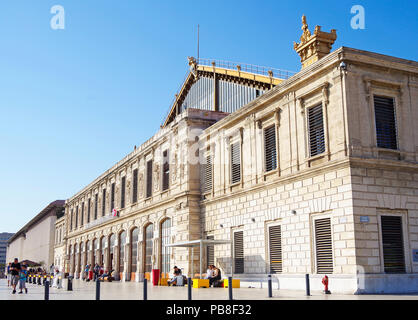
{"x": 97, "y": 272}
{"x": 213, "y": 274}
{"x": 17, "y": 274}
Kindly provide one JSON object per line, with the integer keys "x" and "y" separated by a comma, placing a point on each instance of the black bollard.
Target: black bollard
{"x": 70, "y": 284}
{"x": 145, "y": 289}
{"x": 39, "y": 280}
{"x": 269, "y": 286}
{"x": 46, "y": 290}
{"x": 189, "y": 288}
{"x": 230, "y": 288}
{"x": 97, "y": 289}
{"x": 308, "y": 289}
{"x": 30, "y": 279}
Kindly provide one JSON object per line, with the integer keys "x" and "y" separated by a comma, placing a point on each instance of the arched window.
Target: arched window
{"x": 149, "y": 234}
{"x": 102, "y": 246}
{"x": 83, "y": 260}
{"x": 165, "y": 251}
{"x": 122, "y": 242}
{"x": 95, "y": 244}
{"x": 134, "y": 249}
{"x": 111, "y": 251}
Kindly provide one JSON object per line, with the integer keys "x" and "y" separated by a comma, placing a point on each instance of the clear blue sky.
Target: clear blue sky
{"x": 75, "y": 101}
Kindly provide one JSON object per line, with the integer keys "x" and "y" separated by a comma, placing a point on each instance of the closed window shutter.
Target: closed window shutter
{"x": 166, "y": 170}
{"x": 104, "y": 202}
{"x": 270, "y": 148}
{"x": 76, "y": 217}
{"x": 71, "y": 220}
{"x": 207, "y": 174}
{"x": 88, "y": 211}
{"x": 149, "y": 178}
{"x": 235, "y": 163}
{"x": 384, "y": 109}
{"x": 210, "y": 252}
{"x": 323, "y": 239}
{"x": 112, "y": 198}
{"x": 316, "y": 130}
{"x": 135, "y": 186}
{"x": 82, "y": 214}
{"x": 96, "y": 200}
{"x": 239, "y": 251}
{"x": 393, "y": 250}
{"x": 122, "y": 198}
{"x": 275, "y": 246}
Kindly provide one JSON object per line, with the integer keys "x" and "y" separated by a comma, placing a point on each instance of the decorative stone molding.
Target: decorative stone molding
{"x": 320, "y": 205}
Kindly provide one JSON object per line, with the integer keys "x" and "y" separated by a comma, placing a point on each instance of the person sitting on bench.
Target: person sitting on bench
{"x": 177, "y": 279}
{"x": 216, "y": 277}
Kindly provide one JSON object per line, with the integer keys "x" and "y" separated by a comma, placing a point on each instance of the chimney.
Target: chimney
{"x": 314, "y": 47}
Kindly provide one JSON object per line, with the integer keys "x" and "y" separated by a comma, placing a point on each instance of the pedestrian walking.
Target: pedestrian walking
{"x": 9, "y": 274}
{"x": 15, "y": 269}
{"x": 22, "y": 279}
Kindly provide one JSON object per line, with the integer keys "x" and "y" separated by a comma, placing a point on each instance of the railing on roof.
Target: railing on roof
{"x": 245, "y": 67}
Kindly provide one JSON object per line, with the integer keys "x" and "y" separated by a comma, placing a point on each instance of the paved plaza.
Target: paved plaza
{"x": 133, "y": 291}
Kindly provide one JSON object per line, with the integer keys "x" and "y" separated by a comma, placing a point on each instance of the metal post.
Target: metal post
{"x": 69, "y": 284}
{"x": 46, "y": 290}
{"x": 308, "y": 289}
{"x": 269, "y": 286}
{"x": 97, "y": 289}
{"x": 145, "y": 289}
{"x": 230, "y": 288}
{"x": 189, "y": 288}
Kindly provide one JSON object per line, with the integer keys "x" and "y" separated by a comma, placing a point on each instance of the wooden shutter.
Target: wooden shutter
{"x": 112, "y": 197}
{"x": 96, "y": 200}
{"x": 71, "y": 220}
{"x": 210, "y": 252}
{"x": 135, "y": 186}
{"x": 239, "y": 251}
{"x": 149, "y": 178}
{"x": 104, "y": 202}
{"x": 275, "y": 246}
{"x": 393, "y": 250}
{"x": 207, "y": 174}
{"x": 88, "y": 210}
{"x": 166, "y": 170}
{"x": 82, "y": 214}
{"x": 323, "y": 239}
{"x": 122, "y": 198}
{"x": 235, "y": 163}
{"x": 316, "y": 130}
{"x": 384, "y": 109}
{"x": 270, "y": 148}
{"x": 76, "y": 217}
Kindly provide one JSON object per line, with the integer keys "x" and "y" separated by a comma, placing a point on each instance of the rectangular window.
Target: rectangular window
{"x": 166, "y": 170}
{"x": 239, "y": 251}
{"x": 208, "y": 174}
{"x": 112, "y": 198}
{"x": 275, "y": 247}
{"x": 135, "y": 186}
{"x": 323, "y": 243}
{"x": 96, "y": 200}
{"x": 104, "y": 202}
{"x": 71, "y": 220}
{"x": 392, "y": 239}
{"x": 210, "y": 252}
{"x": 76, "y": 217}
{"x": 82, "y": 214}
{"x": 122, "y": 191}
{"x": 235, "y": 163}
{"x": 149, "y": 179}
{"x": 385, "y": 117}
{"x": 270, "y": 152}
{"x": 89, "y": 211}
{"x": 316, "y": 130}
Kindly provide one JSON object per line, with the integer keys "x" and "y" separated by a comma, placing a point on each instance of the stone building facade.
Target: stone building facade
{"x": 317, "y": 175}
